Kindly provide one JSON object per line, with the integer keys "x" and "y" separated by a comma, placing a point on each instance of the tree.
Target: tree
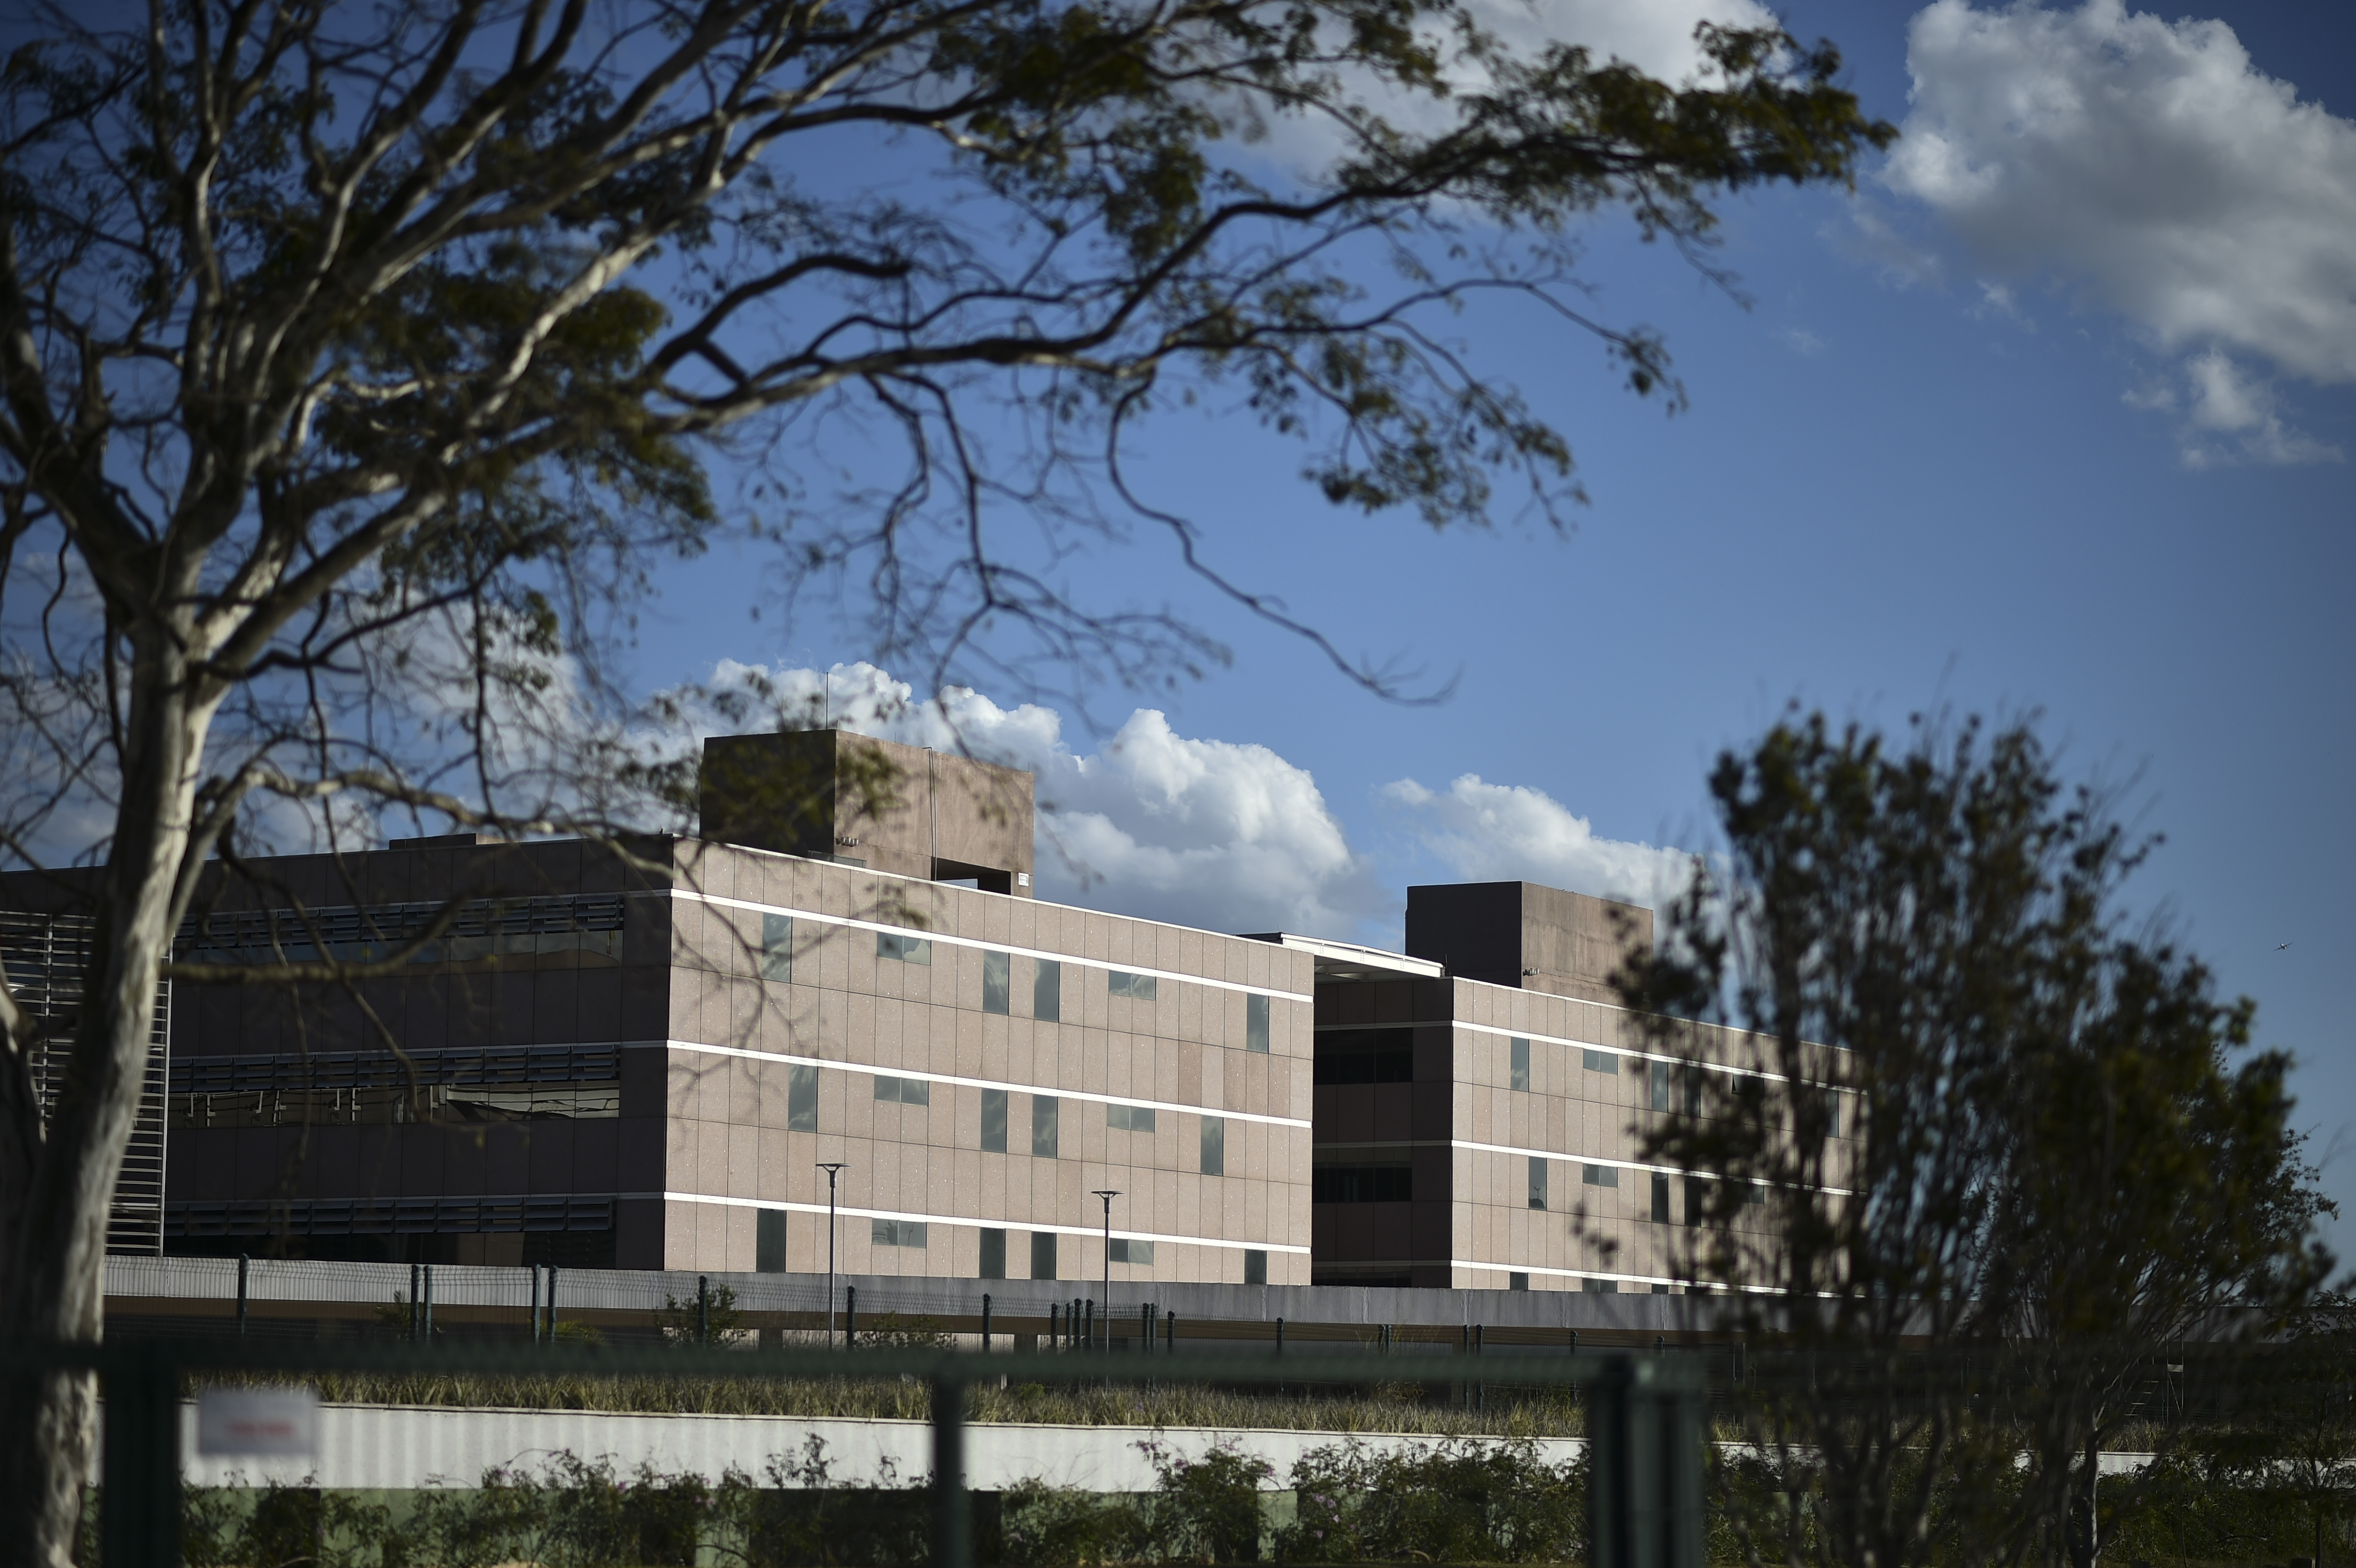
{"x": 358, "y": 364}
{"x": 1970, "y": 1113}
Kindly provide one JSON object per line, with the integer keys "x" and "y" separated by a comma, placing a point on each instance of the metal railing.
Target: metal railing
{"x": 1645, "y": 1416}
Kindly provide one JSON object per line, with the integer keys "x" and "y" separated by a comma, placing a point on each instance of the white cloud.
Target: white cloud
{"x": 1211, "y": 834}
{"x": 1803, "y": 342}
{"x": 1486, "y": 832}
{"x": 2232, "y": 420}
{"x": 1656, "y": 37}
{"x": 2149, "y": 161}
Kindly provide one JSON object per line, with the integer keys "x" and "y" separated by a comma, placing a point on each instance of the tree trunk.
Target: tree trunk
{"x": 55, "y": 1248}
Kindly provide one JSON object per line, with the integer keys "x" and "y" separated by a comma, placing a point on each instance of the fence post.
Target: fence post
{"x": 429, "y": 1307}
{"x": 703, "y": 1309}
{"x": 535, "y": 1304}
{"x": 1644, "y": 1496}
{"x": 1170, "y": 1333}
{"x": 415, "y": 1305}
{"x": 242, "y": 1264}
{"x": 552, "y": 1306}
{"x": 985, "y": 1322}
{"x": 850, "y": 1316}
{"x": 142, "y": 1465}
{"x": 952, "y": 1512}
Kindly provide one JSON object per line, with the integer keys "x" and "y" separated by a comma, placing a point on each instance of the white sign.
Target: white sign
{"x": 274, "y": 1421}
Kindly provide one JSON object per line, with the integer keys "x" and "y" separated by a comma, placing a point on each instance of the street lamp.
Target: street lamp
{"x": 1107, "y": 1194}
{"x": 830, "y": 1169}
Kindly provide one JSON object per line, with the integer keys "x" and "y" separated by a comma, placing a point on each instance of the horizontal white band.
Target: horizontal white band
{"x": 984, "y": 1084}
{"x": 850, "y": 1213}
{"x": 852, "y": 923}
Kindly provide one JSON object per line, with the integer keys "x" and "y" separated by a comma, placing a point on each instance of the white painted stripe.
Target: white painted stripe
{"x": 1646, "y": 1280}
{"x": 1049, "y": 1090}
{"x": 847, "y": 1212}
{"x": 1614, "y": 1164}
{"x": 852, "y": 923}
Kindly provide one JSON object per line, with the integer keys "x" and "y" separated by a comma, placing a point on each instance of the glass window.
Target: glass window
{"x": 769, "y": 1241}
{"x": 1660, "y": 1198}
{"x": 1136, "y": 987}
{"x": 1043, "y": 1110}
{"x": 1599, "y": 1061}
{"x": 904, "y": 1090}
{"x": 801, "y": 1099}
{"x": 996, "y": 985}
{"x": 1255, "y": 1265}
{"x": 905, "y": 949}
{"x": 1362, "y": 1183}
{"x": 1832, "y": 1113}
{"x": 1130, "y": 1118}
{"x": 993, "y": 1254}
{"x": 1659, "y": 1072}
{"x": 777, "y": 947}
{"x": 1214, "y": 1146}
{"x": 1754, "y": 1193}
{"x": 1255, "y": 1023}
{"x": 1043, "y": 1254}
{"x": 1599, "y": 1175}
{"x": 993, "y": 1122}
{"x": 1696, "y": 1200}
{"x": 1601, "y": 1287}
{"x": 899, "y": 1232}
{"x": 1127, "y": 1251}
{"x": 1537, "y": 1182}
{"x": 1518, "y": 1064}
{"x": 1047, "y": 992}
{"x": 1517, "y": 1281}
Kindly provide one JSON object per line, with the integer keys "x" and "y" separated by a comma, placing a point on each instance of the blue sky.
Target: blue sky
{"x": 2054, "y": 414}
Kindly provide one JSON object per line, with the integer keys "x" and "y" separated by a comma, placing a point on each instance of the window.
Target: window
{"x": 1832, "y": 1113}
{"x": 1660, "y": 1076}
{"x": 1254, "y": 1266}
{"x": 1126, "y": 1251}
{"x": 1136, "y": 987}
{"x": 777, "y": 947}
{"x": 904, "y": 949}
{"x": 903, "y": 1090}
{"x": 1693, "y": 1077}
{"x": 769, "y": 1241}
{"x": 997, "y": 983}
{"x": 1660, "y": 1198}
{"x": 1753, "y": 1194}
{"x": 1043, "y": 1254}
{"x": 993, "y": 1254}
{"x": 1363, "y": 1056}
{"x": 801, "y": 1099}
{"x": 1517, "y": 1281}
{"x": 1594, "y": 1286}
{"x": 1214, "y": 1146}
{"x": 1255, "y": 1023}
{"x": 1537, "y": 1181}
{"x": 1599, "y": 1175}
{"x": 1518, "y": 1069}
{"x": 898, "y": 1232}
{"x": 1044, "y": 1108}
{"x": 1047, "y": 992}
{"x": 1660, "y": 1287}
{"x": 1362, "y": 1184}
{"x": 1600, "y": 1062}
{"x": 993, "y": 1124}
{"x": 1130, "y": 1118}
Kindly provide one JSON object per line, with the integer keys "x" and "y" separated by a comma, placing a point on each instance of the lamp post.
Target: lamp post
{"x": 1107, "y": 1194}
{"x": 830, "y": 1167}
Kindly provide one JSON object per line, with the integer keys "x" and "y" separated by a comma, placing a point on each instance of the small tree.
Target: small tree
{"x": 1969, "y": 1112}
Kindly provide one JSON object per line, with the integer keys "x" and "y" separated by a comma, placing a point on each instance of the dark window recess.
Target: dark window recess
{"x": 1047, "y": 992}
{"x": 993, "y": 1125}
{"x": 1045, "y": 1119}
{"x": 1537, "y": 1181}
{"x": 1043, "y": 1254}
{"x": 1366, "y": 1056}
{"x": 1660, "y": 1198}
{"x": 1659, "y": 1073}
{"x": 801, "y": 1098}
{"x": 1517, "y": 1281}
{"x": 579, "y": 923}
{"x": 1255, "y": 1023}
{"x": 1517, "y": 1066}
{"x": 1362, "y": 1183}
{"x": 1255, "y": 1265}
{"x": 777, "y": 948}
{"x": 993, "y": 1254}
{"x": 997, "y": 983}
{"x": 769, "y": 1241}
